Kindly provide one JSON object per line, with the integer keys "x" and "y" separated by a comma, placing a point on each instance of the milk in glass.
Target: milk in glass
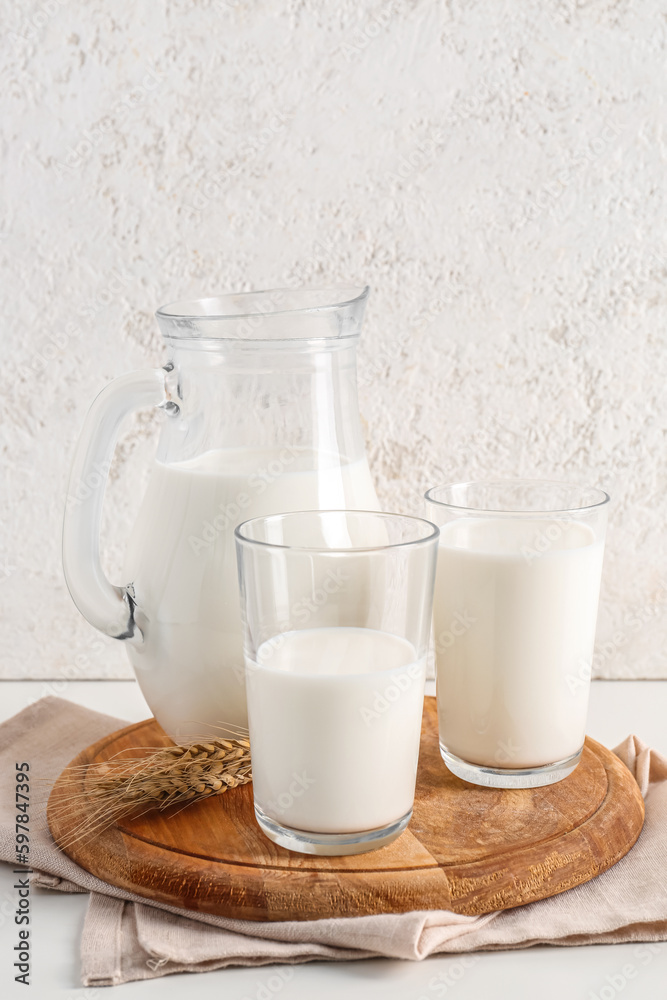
{"x": 335, "y": 721}
{"x": 515, "y": 609}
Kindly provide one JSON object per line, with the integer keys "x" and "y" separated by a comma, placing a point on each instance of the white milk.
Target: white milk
{"x": 182, "y": 562}
{"x": 514, "y": 633}
{"x": 335, "y": 720}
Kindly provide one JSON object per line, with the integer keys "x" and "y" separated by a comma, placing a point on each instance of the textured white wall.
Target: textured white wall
{"x": 496, "y": 172}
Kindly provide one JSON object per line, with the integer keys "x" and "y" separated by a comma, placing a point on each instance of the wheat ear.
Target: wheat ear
{"x": 160, "y": 777}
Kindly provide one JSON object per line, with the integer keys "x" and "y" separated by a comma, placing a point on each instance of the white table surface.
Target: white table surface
{"x": 589, "y": 973}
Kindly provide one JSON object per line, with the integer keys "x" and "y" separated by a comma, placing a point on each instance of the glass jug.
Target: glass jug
{"x": 261, "y": 417}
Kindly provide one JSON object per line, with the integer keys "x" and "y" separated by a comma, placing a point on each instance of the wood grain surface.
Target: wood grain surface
{"x": 469, "y": 849}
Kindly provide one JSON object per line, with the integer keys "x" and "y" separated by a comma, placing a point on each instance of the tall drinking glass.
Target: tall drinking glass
{"x": 515, "y": 607}
{"x": 337, "y": 611}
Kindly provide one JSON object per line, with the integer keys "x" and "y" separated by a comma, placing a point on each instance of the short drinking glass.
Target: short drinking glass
{"x": 337, "y": 610}
{"x": 515, "y": 607}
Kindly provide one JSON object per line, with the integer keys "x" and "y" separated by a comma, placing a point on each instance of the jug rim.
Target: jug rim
{"x": 328, "y": 298}
{"x": 329, "y": 313}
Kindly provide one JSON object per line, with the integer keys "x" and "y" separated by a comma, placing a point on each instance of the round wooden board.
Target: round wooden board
{"x": 468, "y": 849}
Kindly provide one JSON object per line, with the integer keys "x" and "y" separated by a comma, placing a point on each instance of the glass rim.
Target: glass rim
{"x": 431, "y": 536}
{"x": 333, "y": 297}
{"x": 602, "y": 497}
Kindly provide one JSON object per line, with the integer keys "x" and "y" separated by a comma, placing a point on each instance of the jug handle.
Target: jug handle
{"x": 109, "y": 608}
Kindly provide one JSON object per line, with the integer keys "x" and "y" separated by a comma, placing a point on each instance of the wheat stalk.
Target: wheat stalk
{"x": 166, "y": 776}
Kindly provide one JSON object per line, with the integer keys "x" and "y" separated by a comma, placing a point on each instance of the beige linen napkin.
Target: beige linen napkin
{"x": 124, "y": 938}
